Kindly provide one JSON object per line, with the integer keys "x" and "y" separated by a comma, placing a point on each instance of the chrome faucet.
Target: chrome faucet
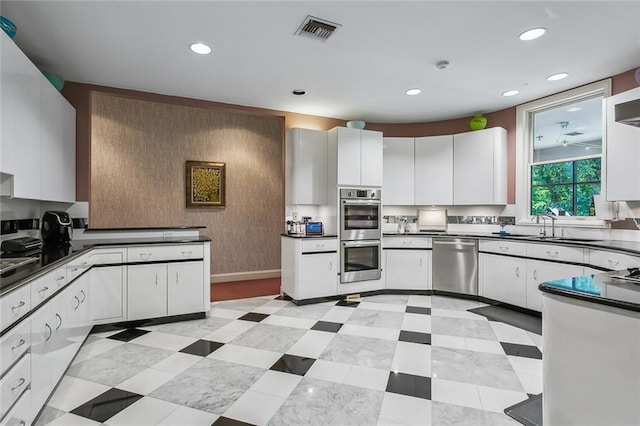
{"x": 544, "y": 218}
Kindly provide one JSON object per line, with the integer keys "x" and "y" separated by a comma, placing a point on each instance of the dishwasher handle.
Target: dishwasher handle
{"x": 454, "y": 243}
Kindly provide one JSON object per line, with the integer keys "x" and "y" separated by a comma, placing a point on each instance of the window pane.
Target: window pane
{"x": 588, "y": 170}
{"x": 584, "y": 198}
{"x": 552, "y": 196}
{"x": 545, "y": 174}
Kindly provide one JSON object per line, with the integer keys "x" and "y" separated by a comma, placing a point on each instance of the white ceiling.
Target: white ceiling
{"x": 361, "y": 72}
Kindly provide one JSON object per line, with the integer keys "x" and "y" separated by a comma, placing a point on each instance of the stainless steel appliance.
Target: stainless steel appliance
{"x": 455, "y": 265}
{"x": 56, "y": 228}
{"x": 361, "y": 260}
{"x": 360, "y": 214}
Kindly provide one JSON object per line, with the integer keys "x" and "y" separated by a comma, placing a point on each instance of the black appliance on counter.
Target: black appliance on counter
{"x": 57, "y": 228}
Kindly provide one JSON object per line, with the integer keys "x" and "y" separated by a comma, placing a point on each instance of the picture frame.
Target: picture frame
{"x": 205, "y": 184}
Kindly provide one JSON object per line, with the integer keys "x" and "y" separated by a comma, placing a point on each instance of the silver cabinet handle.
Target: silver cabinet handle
{"x": 84, "y": 263}
{"x": 22, "y": 423}
{"x": 46, "y": 339}
{"x": 177, "y": 278}
{"x": 518, "y": 271}
{"x": 84, "y": 296}
{"x": 330, "y": 265}
{"x": 319, "y": 246}
{"x": 18, "y": 306}
{"x": 407, "y": 242}
{"x": 145, "y": 256}
{"x": 504, "y": 248}
{"x": 420, "y": 263}
{"x": 74, "y": 269}
{"x": 20, "y": 343}
{"x": 535, "y": 274}
{"x": 187, "y": 253}
{"x": 61, "y": 277}
{"x": 59, "y": 321}
{"x": 43, "y": 289}
{"x": 77, "y": 301}
{"x": 156, "y": 279}
{"x": 613, "y": 262}
{"x": 21, "y": 382}
{"x": 552, "y": 253}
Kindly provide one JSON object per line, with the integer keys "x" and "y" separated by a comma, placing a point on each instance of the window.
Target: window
{"x": 559, "y": 152}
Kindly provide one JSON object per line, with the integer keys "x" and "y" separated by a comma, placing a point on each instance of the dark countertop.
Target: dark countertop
{"x": 51, "y": 257}
{"x": 601, "y": 289}
{"x": 308, "y": 236}
{"x": 153, "y": 228}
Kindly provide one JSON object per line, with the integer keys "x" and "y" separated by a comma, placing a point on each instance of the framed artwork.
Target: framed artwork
{"x": 205, "y": 184}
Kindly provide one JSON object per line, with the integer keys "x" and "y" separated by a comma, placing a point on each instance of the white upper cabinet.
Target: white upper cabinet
{"x": 306, "y": 167}
{"x": 397, "y": 170}
{"x": 434, "y": 170}
{"x": 358, "y": 156}
{"x": 622, "y": 152}
{"x": 480, "y": 167}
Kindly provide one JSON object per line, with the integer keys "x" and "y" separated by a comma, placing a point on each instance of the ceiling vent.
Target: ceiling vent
{"x": 317, "y": 28}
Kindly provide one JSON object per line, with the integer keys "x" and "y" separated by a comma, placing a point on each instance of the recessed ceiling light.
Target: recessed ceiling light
{"x": 574, "y": 109}
{"x": 510, "y": 93}
{"x": 532, "y": 34}
{"x": 413, "y": 92}
{"x": 200, "y": 48}
{"x": 559, "y": 76}
{"x": 299, "y": 92}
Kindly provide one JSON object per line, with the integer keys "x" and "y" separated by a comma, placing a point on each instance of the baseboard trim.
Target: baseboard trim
{"x": 244, "y": 276}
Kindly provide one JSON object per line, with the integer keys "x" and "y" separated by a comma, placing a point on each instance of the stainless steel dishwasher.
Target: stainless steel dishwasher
{"x": 455, "y": 265}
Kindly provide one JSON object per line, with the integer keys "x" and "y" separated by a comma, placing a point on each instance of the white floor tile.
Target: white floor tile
{"x": 277, "y": 383}
{"x": 417, "y": 322}
{"x": 289, "y": 321}
{"x": 146, "y": 381}
{"x": 419, "y": 301}
{"x": 312, "y": 344}
{"x": 96, "y": 348}
{"x": 451, "y": 313}
{"x": 228, "y": 332}
{"x": 176, "y": 363}
{"x": 454, "y": 342}
{"x": 531, "y": 383}
{"x": 497, "y": 400}
{"x": 339, "y": 314}
{"x": 166, "y": 341}
{"x": 329, "y": 371}
{"x": 381, "y": 307}
{"x": 535, "y": 338}
{"x": 188, "y": 416}
{"x": 374, "y": 332}
{"x": 365, "y": 377}
{"x": 480, "y": 345}
{"x": 405, "y": 409}
{"x": 457, "y": 393}
{"x": 509, "y": 334}
{"x": 413, "y": 350}
{"x": 254, "y": 407}
{"x": 267, "y": 309}
{"x": 225, "y": 313}
{"x": 526, "y": 365}
{"x": 72, "y": 420}
{"x": 73, "y": 392}
{"x": 246, "y": 356}
{"x": 411, "y": 365}
{"x": 105, "y": 334}
{"x": 145, "y": 411}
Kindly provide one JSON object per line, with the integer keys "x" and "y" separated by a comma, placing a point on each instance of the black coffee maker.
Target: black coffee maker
{"x": 56, "y": 228}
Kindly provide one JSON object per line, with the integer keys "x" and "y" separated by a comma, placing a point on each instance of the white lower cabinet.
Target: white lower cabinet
{"x": 20, "y": 414}
{"x": 318, "y": 273}
{"x": 146, "y": 291}
{"x": 408, "y": 269}
{"x": 41, "y": 350}
{"x": 14, "y": 384}
{"x": 107, "y": 301}
{"x": 184, "y": 288}
{"x": 539, "y": 271}
{"x": 504, "y": 278}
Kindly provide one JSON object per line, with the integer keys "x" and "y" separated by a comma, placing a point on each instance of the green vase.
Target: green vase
{"x": 478, "y": 122}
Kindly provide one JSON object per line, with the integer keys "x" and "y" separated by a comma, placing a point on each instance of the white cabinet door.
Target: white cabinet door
{"x": 539, "y": 271}
{"x": 623, "y": 151}
{"x": 398, "y": 176}
{"x": 480, "y": 167}
{"x": 65, "y": 307}
{"x": 434, "y": 170}
{"x": 319, "y": 275}
{"x": 51, "y": 143}
{"x": 504, "y": 279}
{"x": 306, "y": 167}
{"x": 184, "y": 288}
{"x": 371, "y": 170}
{"x": 69, "y": 151}
{"x": 348, "y": 155}
{"x": 146, "y": 291}
{"x": 20, "y": 130}
{"x": 407, "y": 269}
{"x": 41, "y": 363}
{"x": 107, "y": 301}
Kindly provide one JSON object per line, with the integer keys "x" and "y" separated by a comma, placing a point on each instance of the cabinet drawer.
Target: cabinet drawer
{"x": 47, "y": 285}
{"x": 503, "y": 247}
{"x": 14, "y": 344}
{"x": 557, "y": 253}
{"x": 77, "y": 266}
{"x": 161, "y": 253}
{"x": 14, "y": 383}
{"x": 107, "y": 256}
{"x": 406, "y": 242}
{"x": 316, "y": 245}
{"x": 20, "y": 414}
{"x": 15, "y": 305}
{"x": 611, "y": 260}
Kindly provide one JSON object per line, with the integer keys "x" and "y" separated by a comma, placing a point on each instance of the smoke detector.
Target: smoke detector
{"x": 317, "y": 28}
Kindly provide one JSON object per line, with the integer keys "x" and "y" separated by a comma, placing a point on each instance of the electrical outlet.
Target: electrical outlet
{"x": 294, "y": 215}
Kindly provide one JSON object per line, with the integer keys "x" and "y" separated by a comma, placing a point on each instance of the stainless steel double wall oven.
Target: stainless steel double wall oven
{"x": 360, "y": 235}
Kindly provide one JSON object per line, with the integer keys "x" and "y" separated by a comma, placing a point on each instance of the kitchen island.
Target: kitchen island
{"x": 591, "y": 334}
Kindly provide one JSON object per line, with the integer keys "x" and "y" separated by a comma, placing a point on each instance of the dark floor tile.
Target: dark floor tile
{"x": 418, "y": 310}
{"x": 410, "y": 385}
{"x": 106, "y": 405}
{"x": 527, "y": 412}
{"x": 332, "y": 327}
{"x": 521, "y": 320}
{"x": 202, "y": 347}
{"x": 293, "y": 364}
{"x": 348, "y": 304}
{"x": 226, "y": 421}
{"x": 415, "y": 337}
{"x": 253, "y": 316}
{"x": 128, "y": 334}
{"x": 521, "y": 350}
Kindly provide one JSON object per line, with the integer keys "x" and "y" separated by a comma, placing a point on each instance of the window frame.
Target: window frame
{"x": 524, "y": 150}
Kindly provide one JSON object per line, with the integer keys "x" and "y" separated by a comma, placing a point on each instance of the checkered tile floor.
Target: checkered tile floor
{"x": 388, "y": 360}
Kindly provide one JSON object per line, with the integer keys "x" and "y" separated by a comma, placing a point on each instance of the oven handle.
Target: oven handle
{"x": 362, "y": 202}
{"x": 364, "y": 243}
